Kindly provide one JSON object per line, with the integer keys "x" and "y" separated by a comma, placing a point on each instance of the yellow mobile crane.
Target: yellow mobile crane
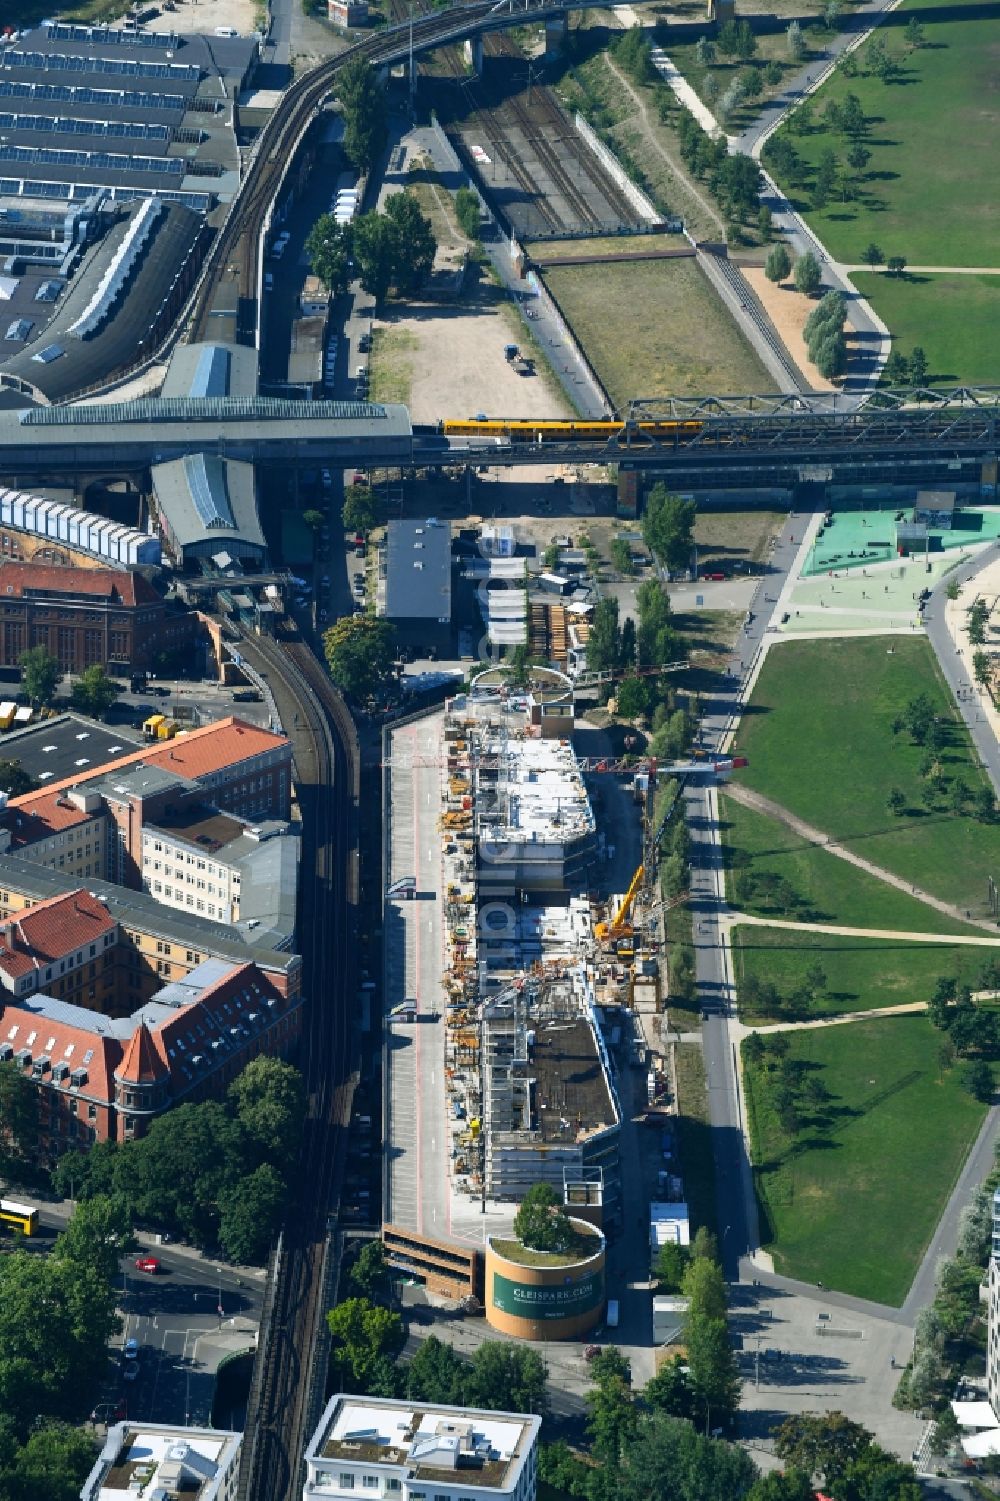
{"x": 619, "y": 930}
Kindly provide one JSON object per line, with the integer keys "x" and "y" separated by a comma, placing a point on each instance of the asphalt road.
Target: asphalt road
{"x": 175, "y": 1317}
{"x": 735, "y": 1198}
{"x": 965, "y": 693}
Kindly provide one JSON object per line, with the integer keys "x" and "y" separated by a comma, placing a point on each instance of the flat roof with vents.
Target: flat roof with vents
{"x": 418, "y": 571}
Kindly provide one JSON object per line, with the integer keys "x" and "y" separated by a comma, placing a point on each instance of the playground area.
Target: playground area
{"x": 879, "y": 597}
{"x": 856, "y": 540}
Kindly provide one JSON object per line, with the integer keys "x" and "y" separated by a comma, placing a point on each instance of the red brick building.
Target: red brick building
{"x": 87, "y": 616}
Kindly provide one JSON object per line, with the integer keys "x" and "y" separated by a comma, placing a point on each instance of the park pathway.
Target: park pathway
{"x": 924, "y": 270}
{"x": 815, "y": 836}
{"x": 839, "y": 930}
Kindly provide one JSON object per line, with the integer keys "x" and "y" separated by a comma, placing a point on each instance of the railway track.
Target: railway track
{"x": 327, "y": 771}
{"x": 232, "y": 264}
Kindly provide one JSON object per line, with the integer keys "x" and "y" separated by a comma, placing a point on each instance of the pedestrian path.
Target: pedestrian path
{"x": 825, "y": 841}
{"x": 911, "y": 1008}
{"x": 924, "y": 270}
{"x": 841, "y": 930}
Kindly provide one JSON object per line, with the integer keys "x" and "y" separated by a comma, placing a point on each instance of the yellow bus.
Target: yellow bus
{"x": 19, "y": 1216}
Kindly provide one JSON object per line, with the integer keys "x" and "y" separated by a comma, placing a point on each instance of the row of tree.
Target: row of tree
{"x": 57, "y": 1314}
{"x": 92, "y": 693}
{"x": 216, "y": 1174}
{"x": 935, "y": 734}
{"x": 391, "y": 248}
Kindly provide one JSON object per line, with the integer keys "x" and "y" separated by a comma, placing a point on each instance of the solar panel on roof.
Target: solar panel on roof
{"x": 211, "y": 378}
{"x": 206, "y": 478}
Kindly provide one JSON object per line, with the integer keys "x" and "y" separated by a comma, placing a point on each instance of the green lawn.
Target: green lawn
{"x": 861, "y": 974}
{"x": 953, "y": 318}
{"x": 826, "y": 889}
{"x": 819, "y": 738}
{"x": 929, "y": 190}
{"x": 853, "y": 1198}
{"x": 691, "y": 345}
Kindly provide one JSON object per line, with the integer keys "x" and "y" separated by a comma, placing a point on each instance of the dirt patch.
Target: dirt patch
{"x": 458, "y": 350}
{"x": 204, "y": 16}
{"x": 788, "y": 311}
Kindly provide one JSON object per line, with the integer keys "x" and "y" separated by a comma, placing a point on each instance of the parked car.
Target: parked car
{"x": 359, "y": 552}
{"x": 130, "y": 1349}
{"x": 247, "y": 696}
{"x": 151, "y": 1264}
{"x": 157, "y": 691}
{"x": 131, "y": 1371}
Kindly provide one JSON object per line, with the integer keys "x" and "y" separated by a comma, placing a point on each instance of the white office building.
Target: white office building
{"x": 369, "y": 1448}
{"x": 159, "y": 1460}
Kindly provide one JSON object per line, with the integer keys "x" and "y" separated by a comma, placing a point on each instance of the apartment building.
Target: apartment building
{"x": 193, "y": 856}
{"x": 160, "y": 1460}
{"x": 387, "y": 1450}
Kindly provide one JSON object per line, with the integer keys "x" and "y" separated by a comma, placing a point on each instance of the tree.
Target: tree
{"x": 611, "y": 1420}
{"x": 897, "y": 369}
{"x": 541, "y": 1223}
{"x": 736, "y": 39}
{"x": 795, "y": 42}
{"x": 413, "y": 243}
{"x": 315, "y": 520}
{"x": 896, "y": 264}
{"x": 765, "y": 223}
{"x": 467, "y": 213}
{"x": 363, "y": 509}
{"x": 328, "y": 246}
{"x": 705, "y": 1289}
{"x": 872, "y": 255}
{"x": 705, "y": 1245}
{"x": 14, "y": 780}
{"x": 506, "y": 1378}
{"x": 830, "y": 354}
{"x": 603, "y": 643}
{"x": 621, "y": 556}
{"x": 853, "y": 120}
{"x": 824, "y": 183}
{"x": 436, "y": 1373}
{"x": 896, "y": 802}
{"x": 978, "y": 1080}
{"x": 825, "y": 1445}
{"x": 365, "y": 1336}
{"x": 363, "y": 102}
{"x": 94, "y": 692}
{"x": 736, "y": 181}
{"x": 633, "y": 697}
{"x": 375, "y": 253}
{"x": 984, "y": 804}
{"x": 360, "y": 651}
{"x": 831, "y": 14}
{"x": 250, "y": 1214}
{"x": 778, "y": 265}
{"x": 782, "y": 1485}
{"x": 52, "y": 1465}
{"x": 627, "y": 644}
{"x": 858, "y": 157}
{"x": 670, "y": 1265}
{"x": 918, "y": 366}
{"x": 39, "y": 674}
{"x": 668, "y": 527}
{"x": 808, "y": 276}
{"x": 816, "y": 980}
{"x": 918, "y": 717}
{"x": 751, "y": 82}
{"x": 705, "y": 51}
{"x": 713, "y": 1373}
{"x": 97, "y": 1235}
{"x": 669, "y": 1458}
{"x": 669, "y": 1391}
{"x": 370, "y": 1273}
{"x": 18, "y": 1120}
{"x": 913, "y": 35}
{"x": 656, "y": 637}
{"x": 270, "y": 1105}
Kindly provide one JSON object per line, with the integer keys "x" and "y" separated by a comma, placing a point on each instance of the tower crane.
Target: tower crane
{"x": 619, "y": 929}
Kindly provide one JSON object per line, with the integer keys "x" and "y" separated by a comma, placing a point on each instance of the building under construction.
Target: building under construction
{"x": 530, "y": 1086}
{"x": 549, "y": 1111}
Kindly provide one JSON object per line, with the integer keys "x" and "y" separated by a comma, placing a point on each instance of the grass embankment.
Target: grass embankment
{"x": 391, "y": 364}
{"x": 952, "y": 318}
{"x": 927, "y": 192}
{"x": 860, "y": 974}
{"x": 583, "y": 1246}
{"x": 774, "y": 872}
{"x": 819, "y": 736}
{"x": 655, "y": 328}
{"x": 697, "y": 1160}
{"x": 852, "y": 1196}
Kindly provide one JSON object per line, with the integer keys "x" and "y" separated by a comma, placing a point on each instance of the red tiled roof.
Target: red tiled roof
{"x": 197, "y": 753}
{"x": 142, "y": 1062}
{"x": 114, "y": 585}
{"x": 51, "y": 930}
{"x": 55, "y": 1037}
{"x": 49, "y": 813}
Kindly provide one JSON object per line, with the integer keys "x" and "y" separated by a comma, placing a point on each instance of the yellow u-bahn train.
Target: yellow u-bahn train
{"x": 522, "y": 430}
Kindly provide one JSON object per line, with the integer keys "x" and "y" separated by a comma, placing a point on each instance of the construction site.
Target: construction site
{"x": 525, "y": 974}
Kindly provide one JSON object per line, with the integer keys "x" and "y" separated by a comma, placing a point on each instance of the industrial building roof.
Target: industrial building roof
{"x": 203, "y": 498}
{"x": 418, "y": 571}
{"x": 118, "y": 343}
{"x": 211, "y": 370}
{"x": 53, "y": 749}
{"x": 542, "y": 798}
{"x": 488, "y": 1450}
